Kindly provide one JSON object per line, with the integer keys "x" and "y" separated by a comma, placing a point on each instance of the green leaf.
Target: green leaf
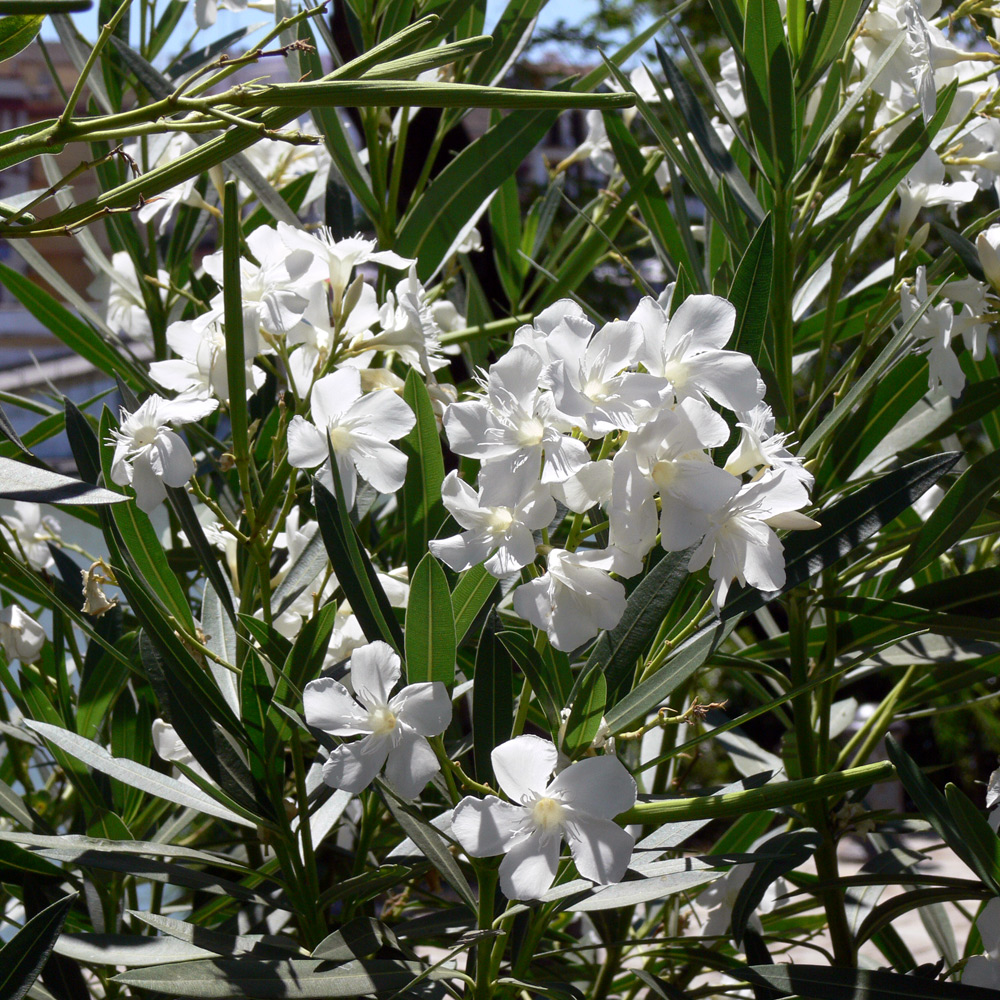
{"x": 618, "y": 649}
{"x": 432, "y": 227}
{"x": 711, "y": 146}
{"x": 953, "y": 516}
{"x": 505, "y": 222}
{"x": 820, "y": 982}
{"x": 472, "y": 593}
{"x": 270, "y": 979}
{"x": 423, "y": 509}
{"x": 846, "y": 525}
{"x": 430, "y": 626}
{"x": 138, "y": 775}
{"x": 828, "y": 34}
{"x": 653, "y": 207}
{"x": 305, "y": 661}
{"x": 977, "y": 834}
{"x": 492, "y": 698}
{"x": 236, "y": 373}
{"x": 770, "y": 89}
{"x": 24, "y": 956}
{"x": 585, "y": 714}
{"x": 542, "y": 683}
{"x": 936, "y": 809}
{"x": 17, "y": 31}
{"x": 312, "y": 561}
{"x": 750, "y": 292}
{"x": 26, "y": 482}
{"x": 198, "y": 731}
{"x": 964, "y": 249}
{"x": 354, "y": 569}
{"x": 17, "y": 864}
{"x": 432, "y": 845}
{"x": 208, "y": 555}
{"x": 787, "y": 851}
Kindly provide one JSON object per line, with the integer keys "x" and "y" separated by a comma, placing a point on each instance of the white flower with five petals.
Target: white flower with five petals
{"x": 578, "y": 805}
{"x": 148, "y": 455}
{"x": 357, "y": 428}
{"x": 28, "y": 533}
{"x": 394, "y": 727}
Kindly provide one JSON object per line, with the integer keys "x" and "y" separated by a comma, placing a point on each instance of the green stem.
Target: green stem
{"x": 102, "y": 39}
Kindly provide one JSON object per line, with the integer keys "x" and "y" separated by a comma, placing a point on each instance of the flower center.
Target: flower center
{"x": 382, "y": 720}
{"x": 676, "y": 372}
{"x": 664, "y": 473}
{"x": 547, "y": 814}
{"x": 596, "y": 390}
{"x": 340, "y": 438}
{"x": 530, "y": 432}
{"x": 144, "y": 436}
{"x": 500, "y": 519}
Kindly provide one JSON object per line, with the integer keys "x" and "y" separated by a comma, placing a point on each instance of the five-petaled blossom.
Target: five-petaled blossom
{"x": 395, "y": 727}
{"x": 357, "y": 429}
{"x": 148, "y": 455}
{"x": 578, "y": 804}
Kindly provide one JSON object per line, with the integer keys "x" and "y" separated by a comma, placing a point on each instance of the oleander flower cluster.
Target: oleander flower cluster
{"x": 622, "y": 422}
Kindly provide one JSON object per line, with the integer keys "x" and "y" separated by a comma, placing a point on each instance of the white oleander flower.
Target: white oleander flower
{"x": 358, "y": 429}
{"x": 21, "y": 636}
{"x": 500, "y": 535}
{"x": 200, "y": 370}
{"x": 741, "y": 542}
{"x": 160, "y": 150}
{"x": 666, "y": 456}
{"x": 579, "y": 805}
{"x": 934, "y": 331}
{"x": 28, "y": 532}
{"x": 319, "y": 256}
{"x": 394, "y": 727}
{"x": 271, "y": 301}
{"x": 576, "y": 597}
{"x": 984, "y": 970}
{"x": 514, "y": 424}
{"x": 687, "y": 350}
{"x": 148, "y": 455}
{"x": 760, "y": 447}
{"x": 124, "y": 307}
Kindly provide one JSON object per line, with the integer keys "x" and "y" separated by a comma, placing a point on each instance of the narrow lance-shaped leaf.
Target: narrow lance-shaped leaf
{"x": 847, "y": 524}
{"x": 953, "y": 516}
{"x": 770, "y": 89}
{"x": 492, "y": 698}
{"x": 618, "y": 649}
{"x": 750, "y": 292}
{"x": 936, "y": 809}
{"x": 24, "y": 956}
{"x": 26, "y": 482}
{"x": 421, "y": 495}
{"x": 137, "y": 775}
{"x": 430, "y": 626}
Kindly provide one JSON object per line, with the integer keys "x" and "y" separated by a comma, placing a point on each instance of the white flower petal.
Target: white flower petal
{"x": 328, "y": 705}
{"x": 353, "y": 766}
{"x": 600, "y": 848}
{"x": 307, "y": 446}
{"x": 599, "y": 786}
{"x": 425, "y": 707}
{"x": 530, "y": 867}
{"x": 523, "y": 765}
{"x": 411, "y": 765}
{"x": 375, "y": 670}
{"x": 486, "y": 827}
